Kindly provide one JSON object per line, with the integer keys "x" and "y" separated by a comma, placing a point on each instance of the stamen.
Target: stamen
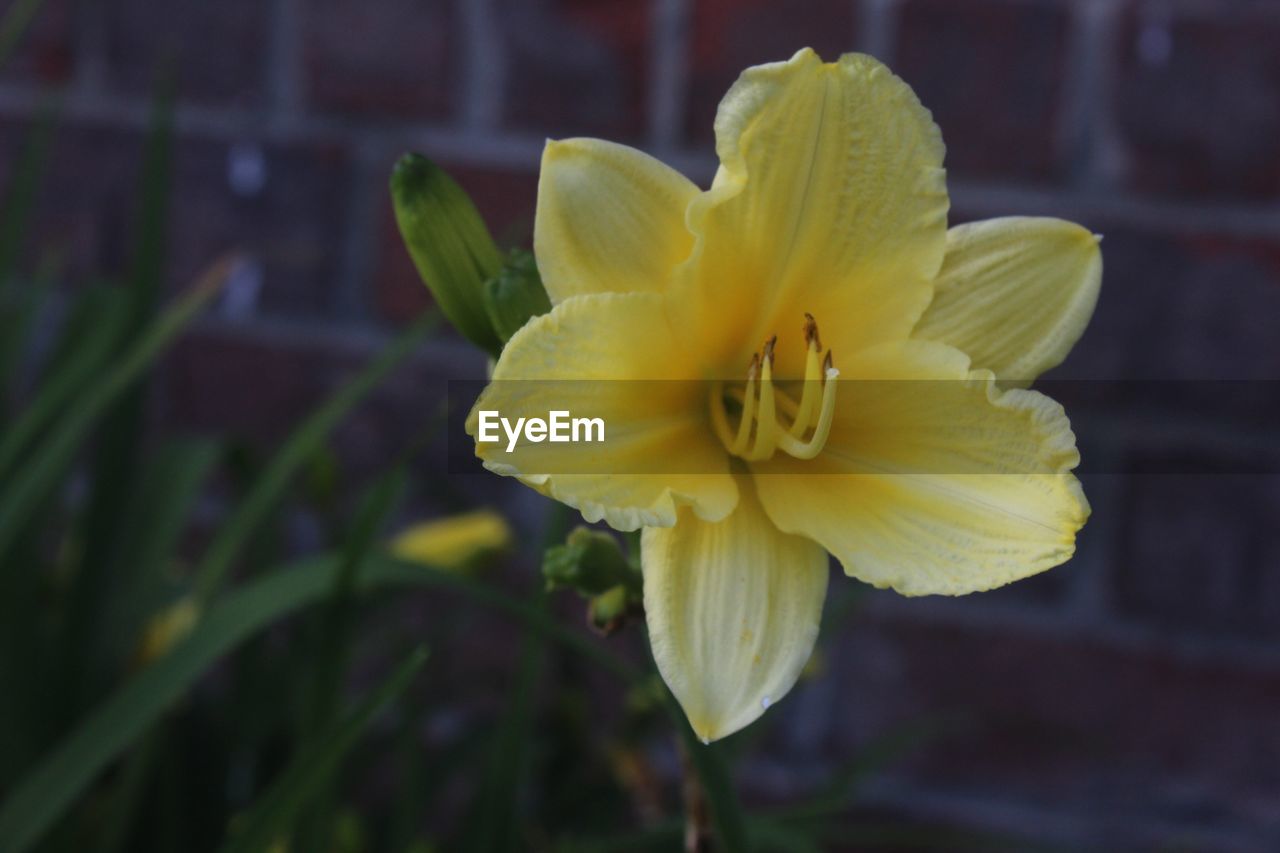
{"x": 812, "y": 378}
{"x": 748, "y": 409}
{"x": 761, "y": 403}
{"x": 767, "y": 420}
{"x": 826, "y": 416}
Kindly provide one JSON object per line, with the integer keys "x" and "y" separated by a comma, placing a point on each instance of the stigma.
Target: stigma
{"x": 768, "y": 418}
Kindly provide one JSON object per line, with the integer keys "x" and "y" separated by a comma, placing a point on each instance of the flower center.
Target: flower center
{"x": 768, "y": 418}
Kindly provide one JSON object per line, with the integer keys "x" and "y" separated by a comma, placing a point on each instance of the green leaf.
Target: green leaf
{"x": 269, "y": 820}
{"x": 14, "y": 25}
{"x": 302, "y": 443}
{"x": 497, "y": 823}
{"x": 90, "y": 346}
{"x": 117, "y": 445}
{"x": 335, "y": 625}
{"x": 167, "y": 488}
{"x": 62, "y": 775}
{"x": 22, "y": 493}
{"x": 449, "y": 243}
{"x": 709, "y": 763}
{"x": 333, "y": 637}
{"x": 23, "y": 187}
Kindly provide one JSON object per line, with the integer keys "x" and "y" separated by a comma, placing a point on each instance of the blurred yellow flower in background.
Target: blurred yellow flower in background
{"x": 166, "y": 629}
{"x": 454, "y": 542}
{"x": 845, "y": 373}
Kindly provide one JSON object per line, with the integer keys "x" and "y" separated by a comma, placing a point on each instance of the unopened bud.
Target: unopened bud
{"x": 590, "y": 562}
{"x": 449, "y": 244}
{"x": 515, "y": 295}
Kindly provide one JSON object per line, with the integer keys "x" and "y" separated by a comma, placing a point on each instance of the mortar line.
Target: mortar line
{"x": 668, "y": 72}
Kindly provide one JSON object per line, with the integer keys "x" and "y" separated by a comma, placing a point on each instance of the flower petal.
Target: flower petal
{"x": 933, "y": 479}
{"x": 1014, "y": 294}
{"x": 830, "y": 199}
{"x": 590, "y": 357}
{"x": 733, "y": 611}
{"x": 610, "y": 219}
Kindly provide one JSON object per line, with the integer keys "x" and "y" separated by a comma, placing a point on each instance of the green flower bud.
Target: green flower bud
{"x": 590, "y": 562}
{"x": 449, "y": 244}
{"x": 609, "y": 610}
{"x": 515, "y": 295}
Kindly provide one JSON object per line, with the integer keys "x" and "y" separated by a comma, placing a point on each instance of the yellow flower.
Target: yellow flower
{"x": 166, "y": 629}
{"x": 824, "y": 235}
{"x": 454, "y": 542}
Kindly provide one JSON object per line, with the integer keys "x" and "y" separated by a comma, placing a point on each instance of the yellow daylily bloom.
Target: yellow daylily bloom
{"x": 453, "y": 542}
{"x": 880, "y": 421}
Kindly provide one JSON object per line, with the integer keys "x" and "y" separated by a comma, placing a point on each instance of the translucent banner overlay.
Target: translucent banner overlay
{"x": 930, "y": 427}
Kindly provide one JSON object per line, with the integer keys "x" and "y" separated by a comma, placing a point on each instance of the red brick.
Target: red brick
{"x": 1196, "y": 97}
{"x": 292, "y": 223}
{"x": 257, "y": 387}
{"x": 1200, "y": 550}
{"x": 732, "y": 35}
{"x": 217, "y": 51}
{"x": 44, "y": 53}
{"x": 991, "y": 72}
{"x": 396, "y": 58}
{"x": 577, "y": 67}
{"x": 1114, "y": 736}
{"x": 1181, "y": 308}
{"x": 287, "y": 216}
{"x": 85, "y": 201}
{"x": 505, "y": 198}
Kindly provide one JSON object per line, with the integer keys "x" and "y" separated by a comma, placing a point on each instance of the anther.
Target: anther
{"x": 811, "y": 332}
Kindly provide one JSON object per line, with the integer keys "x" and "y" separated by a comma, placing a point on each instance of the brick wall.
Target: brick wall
{"x": 1130, "y": 698}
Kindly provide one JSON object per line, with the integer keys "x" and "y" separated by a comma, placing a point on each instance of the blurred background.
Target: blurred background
{"x": 1128, "y": 700}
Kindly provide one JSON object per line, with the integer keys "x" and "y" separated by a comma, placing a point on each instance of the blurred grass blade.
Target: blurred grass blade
{"x": 708, "y": 763}
{"x": 334, "y": 628}
{"x": 117, "y": 447}
{"x": 48, "y": 789}
{"x": 20, "y": 315}
{"x": 19, "y": 200}
{"x": 67, "y": 377}
{"x": 303, "y": 442}
{"x": 496, "y": 822}
{"x": 269, "y": 820}
{"x": 22, "y": 494}
{"x": 14, "y": 25}
{"x": 167, "y": 488}
{"x": 335, "y": 624}
{"x": 496, "y": 819}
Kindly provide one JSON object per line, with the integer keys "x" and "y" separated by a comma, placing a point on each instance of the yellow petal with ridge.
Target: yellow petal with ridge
{"x": 610, "y": 219}
{"x": 733, "y": 610}
{"x": 610, "y": 356}
{"x": 830, "y": 199}
{"x": 933, "y": 479}
{"x": 1014, "y": 294}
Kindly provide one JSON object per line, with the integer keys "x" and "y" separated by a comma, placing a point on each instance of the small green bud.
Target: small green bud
{"x": 515, "y": 295}
{"x": 449, "y": 243}
{"x": 609, "y": 610}
{"x": 591, "y": 563}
